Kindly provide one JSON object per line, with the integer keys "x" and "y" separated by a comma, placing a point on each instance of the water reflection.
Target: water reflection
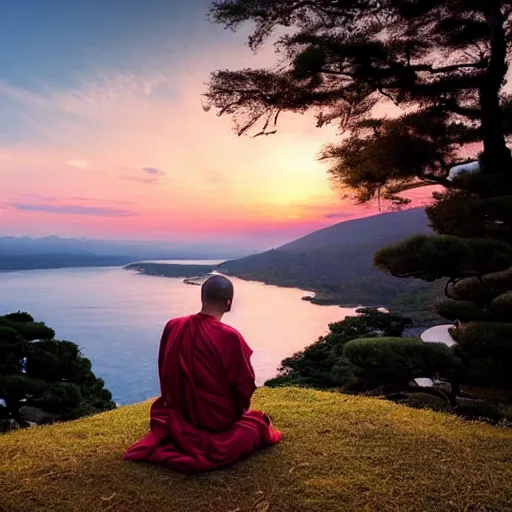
{"x": 117, "y": 316}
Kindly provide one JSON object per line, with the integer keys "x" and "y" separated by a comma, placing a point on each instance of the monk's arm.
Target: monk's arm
{"x": 241, "y": 374}
{"x": 163, "y": 344}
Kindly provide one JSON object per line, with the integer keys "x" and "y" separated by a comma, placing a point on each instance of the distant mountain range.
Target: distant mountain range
{"x": 25, "y": 253}
{"x": 15, "y": 262}
{"x": 337, "y": 262}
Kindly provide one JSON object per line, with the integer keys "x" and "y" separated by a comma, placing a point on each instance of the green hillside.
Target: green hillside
{"x": 337, "y": 264}
{"x": 339, "y": 453}
{"x": 339, "y": 274}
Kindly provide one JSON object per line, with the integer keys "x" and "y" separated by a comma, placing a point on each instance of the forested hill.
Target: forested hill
{"x": 15, "y": 262}
{"x": 377, "y": 229}
{"x": 337, "y": 263}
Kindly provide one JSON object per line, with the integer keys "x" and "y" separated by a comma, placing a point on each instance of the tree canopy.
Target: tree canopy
{"x": 410, "y": 81}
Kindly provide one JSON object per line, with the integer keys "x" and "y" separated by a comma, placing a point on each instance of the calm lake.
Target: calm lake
{"x": 116, "y": 317}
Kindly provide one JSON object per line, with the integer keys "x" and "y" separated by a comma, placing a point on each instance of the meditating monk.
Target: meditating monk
{"x": 202, "y": 420}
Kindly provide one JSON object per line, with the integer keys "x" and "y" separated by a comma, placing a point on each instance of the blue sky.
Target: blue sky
{"x": 57, "y": 43}
{"x": 54, "y": 41}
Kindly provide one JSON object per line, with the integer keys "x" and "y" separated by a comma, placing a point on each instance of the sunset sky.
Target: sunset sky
{"x": 103, "y": 135}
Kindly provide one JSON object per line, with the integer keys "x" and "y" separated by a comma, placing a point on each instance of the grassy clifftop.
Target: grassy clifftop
{"x": 339, "y": 453}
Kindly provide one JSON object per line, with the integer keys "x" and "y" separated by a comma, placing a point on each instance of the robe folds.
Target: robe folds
{"x": 202, "y": 420}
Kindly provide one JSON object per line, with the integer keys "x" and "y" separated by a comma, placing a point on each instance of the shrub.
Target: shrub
{"x": 431, "y": 256}
{"x": 422, "y": 400}
{"x": 394, "y": 362}
{"x": 19, "y": 316}
{"x": 480, "y": 336}
{"x": 322, "y": 364}
{"x": 463, "y": 311}
{"x": 60, "y": 396}
{"x": 8, "y": 334}
{"x": 48, "y": 374}
{"x": 503, "y": 304}
{"x": 486, "y": 371}
{"x": 479, "y": 411}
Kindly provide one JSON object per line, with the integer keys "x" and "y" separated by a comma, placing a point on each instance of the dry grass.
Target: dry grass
{"x": 340, "y": 454}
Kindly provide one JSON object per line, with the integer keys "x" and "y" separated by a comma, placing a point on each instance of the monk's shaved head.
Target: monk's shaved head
{"x": 217, "y": 290}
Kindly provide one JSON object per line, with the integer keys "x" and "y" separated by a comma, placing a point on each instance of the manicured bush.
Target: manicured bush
{"x": 394, "y": 362}
{"x": 323, "y": 365}
{"x": 420, "y": 400}
{"x": 476, "y": 337}
{"x": 479, "y": 411}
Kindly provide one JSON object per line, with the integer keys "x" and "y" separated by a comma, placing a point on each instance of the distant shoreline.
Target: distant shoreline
{"x": 316, "y": 296}
{"x": 59, "y": 267}
{"x": 171, "y": 270}
{"x": 191, "y": 275}
{"x": 26, "y": 263}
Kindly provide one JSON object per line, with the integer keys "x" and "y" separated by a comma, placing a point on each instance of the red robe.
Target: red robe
{"x": 202, "y": 419}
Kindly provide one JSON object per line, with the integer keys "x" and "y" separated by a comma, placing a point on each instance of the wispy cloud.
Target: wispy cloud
{"x": 73, "y": 209}
{"x": 18, "y": 94}
{"x": 79, "y": 164}
{"x": 100, "y": 201}
{"x": 34, "y": 197}
{"x": 151, "y": 175}
{"x": 215, "y": 177}
{"x": 153, "y": 171}
{"x": 337, "y": 215}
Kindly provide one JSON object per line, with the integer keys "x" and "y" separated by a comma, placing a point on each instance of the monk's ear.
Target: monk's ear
{"x": 229, "y": 302}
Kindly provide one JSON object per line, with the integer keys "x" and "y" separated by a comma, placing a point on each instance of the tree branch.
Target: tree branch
{"x": 454, "y": 107}
{"x": 481, "y": 64}
{"x": 337, "y": 73}
{"x": 388, "y": 96}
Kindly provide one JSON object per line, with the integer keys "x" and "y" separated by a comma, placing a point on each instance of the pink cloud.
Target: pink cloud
{"x": 72, "y": 209}
{"x": 149, "y": 175}
{"x": 79, "y": 164}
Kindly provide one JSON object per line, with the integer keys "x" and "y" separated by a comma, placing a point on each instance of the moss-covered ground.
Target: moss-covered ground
{"x": 339, "y": 453}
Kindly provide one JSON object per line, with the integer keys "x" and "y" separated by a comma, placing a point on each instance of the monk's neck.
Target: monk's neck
{"x": 212, "y": 312}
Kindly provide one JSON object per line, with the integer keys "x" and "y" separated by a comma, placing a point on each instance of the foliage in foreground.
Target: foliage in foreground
{"x": 353, "y": 452}
{"x": 438, "y": 66}
{"x": 392, "y": 363}
{"x": 366, "y": 353}
{"x": 38, "y": 371}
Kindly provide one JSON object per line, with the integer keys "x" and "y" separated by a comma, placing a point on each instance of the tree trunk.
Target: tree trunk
{"x": 455, "y": 384}
{"x": 496, "y": 157}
